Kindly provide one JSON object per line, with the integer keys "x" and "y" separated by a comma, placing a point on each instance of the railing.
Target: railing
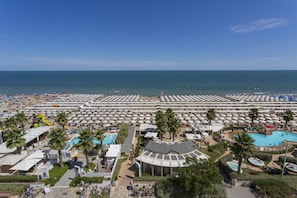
{"x": 273, "y": 148}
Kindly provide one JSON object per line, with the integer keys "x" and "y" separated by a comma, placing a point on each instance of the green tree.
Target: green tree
{"x": 288, "y": 116}
{"x": 85, "y": 143}
{"x": 161, "y": 124}
{"x": 242, "y": 148}
{"x": 10, "y": 123}
{"x": 253, "y": 114}
{"x": 21, "y": 119}
{"x": 210, "y": 115}
{"x": 58, "y": 138}
{"x": 14, "y": 139}
{"x": 62, "y": 119}
{"x": 99, "y": 135}
{"x": 199, "y": 177}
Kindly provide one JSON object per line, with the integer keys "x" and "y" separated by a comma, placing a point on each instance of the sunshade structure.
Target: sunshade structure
{"x": 30, "y": 161}
{"x": 30, "y": 135}
{"x": 162, "y": 158}
{"x": 214, "y": 127}
{"x": 113, "y": 151}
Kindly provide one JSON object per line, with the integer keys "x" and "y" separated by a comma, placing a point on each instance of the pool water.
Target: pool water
{"x": 275, "y": 139}
{"x": 108, "y": 139}
{"x": 233, "y": 165}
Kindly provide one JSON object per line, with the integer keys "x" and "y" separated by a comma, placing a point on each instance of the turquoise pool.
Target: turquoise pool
{"x": 108, "y": 139}
{"x": 276, "y": 139}
{"x": 233, "y": 165}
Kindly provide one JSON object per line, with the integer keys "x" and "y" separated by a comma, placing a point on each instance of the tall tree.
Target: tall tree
{"x": 210, "y": 115}
{"x": 242, "y": 148}
{"x": 198, "y": 178}
{"x": 21, "y": 119}
{"x": 10, "y": 123}
{"x": 288, "y": 116}
{"x": 85, "y": 143}
{"x": 62, "y": 119}
{"x": 99, "y": 135}
{"x": 14, "y": 139}
{"x": 253, "y": 114}
{"x": 161, "y": 123}
{"x": 58, "y": 138}
{"x": 173, "y": 124}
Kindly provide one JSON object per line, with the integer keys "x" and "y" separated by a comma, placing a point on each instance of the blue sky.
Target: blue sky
{"x": 148, "y": 35}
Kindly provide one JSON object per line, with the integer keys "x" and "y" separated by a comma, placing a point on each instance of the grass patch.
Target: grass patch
{"x": 216, "y": 150}
{"x": 117, "y": 170}
{"x": 77, "y": 180}
{"x": 55, "y": 174}
{"x": 14, "y": 189}
{"x": 272, "y": 187}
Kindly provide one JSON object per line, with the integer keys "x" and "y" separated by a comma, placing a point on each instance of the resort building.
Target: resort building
{"x": 160, "y": 158}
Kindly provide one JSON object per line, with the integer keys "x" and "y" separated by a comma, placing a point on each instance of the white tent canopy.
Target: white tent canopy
{"x": 29, "y": 161}
{"x": 150, "y": 135}
{"x": 215, "y": 127}
{"x": 114, "y": 150}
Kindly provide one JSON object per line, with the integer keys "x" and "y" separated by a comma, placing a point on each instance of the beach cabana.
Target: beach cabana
{"x": 30, "y": 161}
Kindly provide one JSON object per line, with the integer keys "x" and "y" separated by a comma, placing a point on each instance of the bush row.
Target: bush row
{"x": 263, "y": 156}
{"x": 289, "y": 159}
{"x": 223, "y": 165}
{"x": 18, "y": 178}
{"x": 77, "y": 180}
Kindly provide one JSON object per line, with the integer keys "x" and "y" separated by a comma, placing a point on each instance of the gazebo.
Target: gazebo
{"x": 160, "y": 158}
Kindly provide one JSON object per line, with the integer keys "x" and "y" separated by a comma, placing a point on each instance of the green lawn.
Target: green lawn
{"x": 117, "y": 170}
{"x": 55, "y": 174}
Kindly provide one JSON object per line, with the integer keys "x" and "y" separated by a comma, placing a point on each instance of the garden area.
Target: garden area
{"x": 55, "y": 174}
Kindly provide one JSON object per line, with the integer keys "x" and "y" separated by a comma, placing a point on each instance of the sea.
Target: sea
{"x": 149, "y": 83}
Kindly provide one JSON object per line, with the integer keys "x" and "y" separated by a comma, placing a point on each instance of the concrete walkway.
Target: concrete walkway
{"x": 239, "y": 190}
{"x": 66, "y": 179}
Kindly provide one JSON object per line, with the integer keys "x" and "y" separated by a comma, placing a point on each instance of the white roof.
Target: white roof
{"x": 215, "y": 127}
{"x": 114, "y": 150}
{"x": 29, "y": 161}
{"x": 191, "y": 136}
{"x": 144, "y": 127}
{"x": 12, "y": 159}
{"x": 169, "y": 160}
{"x": 30, "y": 135}
{"x": 150, "y": 135}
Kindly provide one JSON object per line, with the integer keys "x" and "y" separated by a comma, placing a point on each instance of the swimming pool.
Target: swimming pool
{"x": 276, "y": 139}
{"x": 233, "y": 166}
{"x": 256, "y": 161}
{"x": 108, "y": 139}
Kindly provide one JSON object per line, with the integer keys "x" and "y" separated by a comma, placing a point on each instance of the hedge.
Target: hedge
{"x": 267, "y": 157}
{"x": 223, "y": 165}
{"x": 77, "y": 180}
{"x": 18, "y": 178}
{"x": 289, "y": 159}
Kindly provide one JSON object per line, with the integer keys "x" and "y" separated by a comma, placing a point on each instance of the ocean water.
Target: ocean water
{"x": 149, "y": 83}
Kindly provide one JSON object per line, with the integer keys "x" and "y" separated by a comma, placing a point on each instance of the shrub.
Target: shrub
{"x": 122, "y": 134}
{"x": 117, "y": 170}
{"x": 223, "y": 164}
{"x": 267, "y": 157}
{"x": 272, "y": 187}
{"x": 289, "y": 159}
{"x": 77, "y": 180}
{"x": 18, "y": 178}
{"x": 15, "y": 189}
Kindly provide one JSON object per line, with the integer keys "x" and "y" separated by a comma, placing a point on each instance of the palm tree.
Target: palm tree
{"x": 62, "y": 119}
{"x": 14, "y": 138}
{"x": 242, "y": 148}
{"x": 173, "y": 124}
{"x": 99, "y": 135}
{"x": 21, "y": 119}
{"x": 10, "y": 123}
{"x": 58, "y": 138}
{"x": 288, "y": 116}
{"x": 253, "y": 114}
{"x": 210, "y": 115}
{"x": 161, "y": 123}
{"x": 85, "y": 142}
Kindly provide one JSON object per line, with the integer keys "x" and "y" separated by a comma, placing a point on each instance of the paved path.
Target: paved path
{"x": 66, "y": 179}
{"x": 239, "y": 190}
